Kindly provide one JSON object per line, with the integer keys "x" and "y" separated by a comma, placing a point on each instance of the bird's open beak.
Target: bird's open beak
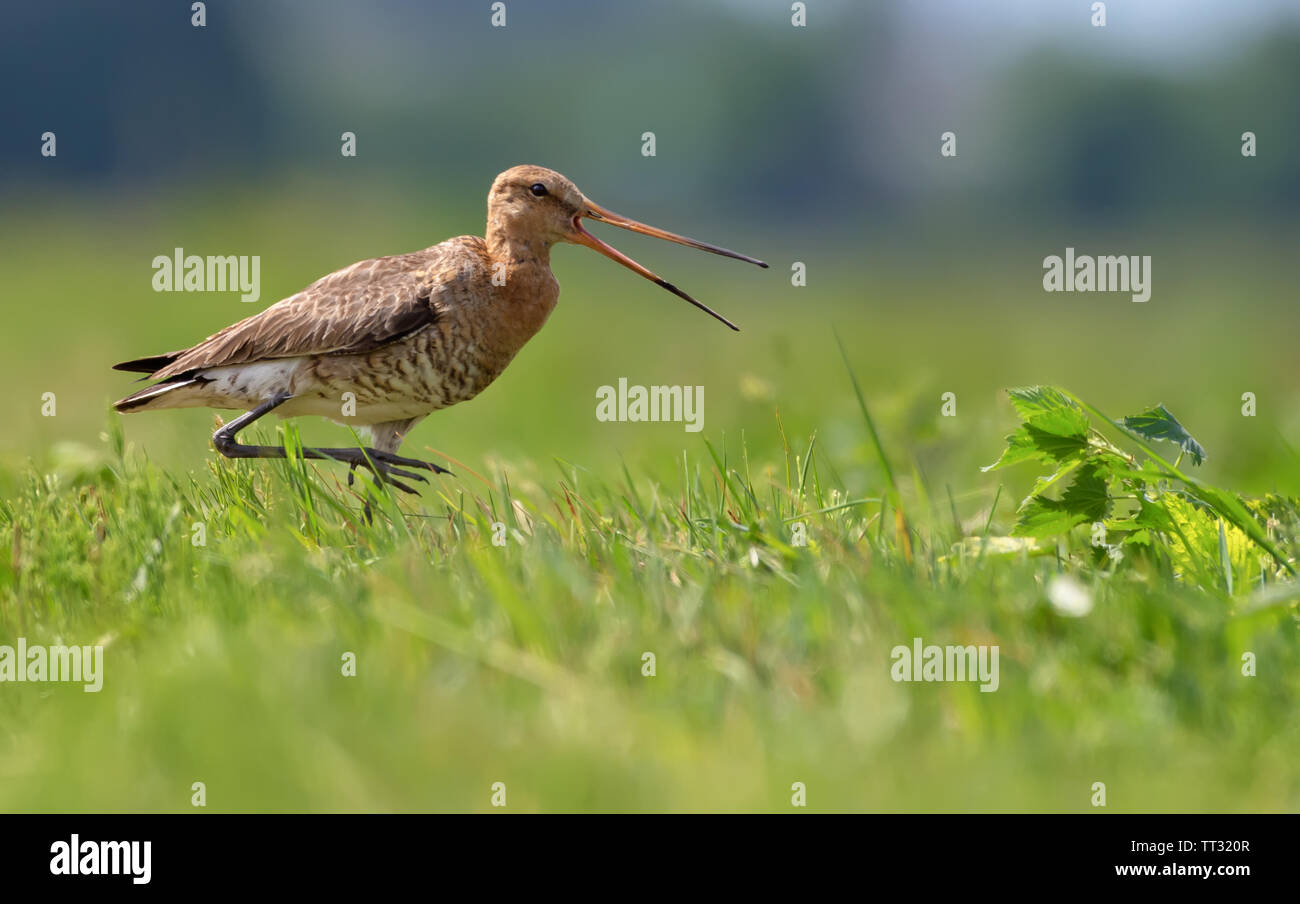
{"x": 581, "y": 236}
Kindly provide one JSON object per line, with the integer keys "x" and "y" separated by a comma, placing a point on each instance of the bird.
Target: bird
{"x": 385, "y": 342}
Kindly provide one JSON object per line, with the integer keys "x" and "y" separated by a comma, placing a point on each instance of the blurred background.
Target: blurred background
{"x": 816, "y": 144}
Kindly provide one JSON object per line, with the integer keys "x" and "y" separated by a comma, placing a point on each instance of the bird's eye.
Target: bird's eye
{"x": 538, "y": 189}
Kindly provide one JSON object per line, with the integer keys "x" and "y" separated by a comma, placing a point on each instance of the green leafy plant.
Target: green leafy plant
{"x": 1145, "y": 502}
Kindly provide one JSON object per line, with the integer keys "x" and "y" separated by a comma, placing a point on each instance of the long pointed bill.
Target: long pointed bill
{"x": 583, "y": 237}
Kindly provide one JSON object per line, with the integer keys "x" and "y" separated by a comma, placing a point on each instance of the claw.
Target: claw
{"x": 387, "y": 471}
{"x": 404, "y": 487}
{"x": 383, "y": 472}
{"x": 392, "y": 459}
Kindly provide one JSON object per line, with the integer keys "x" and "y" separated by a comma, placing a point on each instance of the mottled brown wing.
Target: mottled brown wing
{"x": 351, "y": 311}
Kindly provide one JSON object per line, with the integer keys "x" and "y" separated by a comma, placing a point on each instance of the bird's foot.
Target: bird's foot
{"x": 374, "y": 461}
{"x": 403, "y": 461}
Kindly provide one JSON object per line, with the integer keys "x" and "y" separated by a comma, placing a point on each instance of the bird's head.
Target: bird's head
{"x": 533, "y": 202}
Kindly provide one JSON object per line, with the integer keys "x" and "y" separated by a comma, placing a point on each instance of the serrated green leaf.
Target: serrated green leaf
{"x": 1158, "y": 424}
{"x": 1029, "y": 443}
{"x": 1085, "y": 501}
{"x": 1230, "y": 507}
{"x": 1204, "y": 545}
{"x": 1047, "y": 481}
{"x": 1088, "y": 495}
{"x": 1153, "y": 516}
{"x": 1057, "y": 446}
{"x": 1045, "y": 518}
{"x": 1020, "y": 447}
{"x": 1032, "y": 400}
{"x": 1049, "y": 410}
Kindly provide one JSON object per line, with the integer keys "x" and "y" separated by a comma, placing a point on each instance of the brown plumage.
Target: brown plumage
{"x": 384, "y": 342}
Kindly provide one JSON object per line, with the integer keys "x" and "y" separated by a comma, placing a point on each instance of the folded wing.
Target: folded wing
{"x": 352, "y": 311}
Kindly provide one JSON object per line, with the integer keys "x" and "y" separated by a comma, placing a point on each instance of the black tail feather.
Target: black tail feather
{"x": 147, "y": 365}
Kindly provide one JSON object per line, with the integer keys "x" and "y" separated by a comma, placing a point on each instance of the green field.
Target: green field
{"x": 523, "y": 663}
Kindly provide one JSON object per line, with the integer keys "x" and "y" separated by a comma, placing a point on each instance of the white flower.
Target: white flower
{"x": 1068, "y": 596}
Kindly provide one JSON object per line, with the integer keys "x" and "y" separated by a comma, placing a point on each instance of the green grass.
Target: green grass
{"x": 522, "y": 663}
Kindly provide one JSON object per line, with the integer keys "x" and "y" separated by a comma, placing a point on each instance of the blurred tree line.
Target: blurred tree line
{"x": 817, "y": 123}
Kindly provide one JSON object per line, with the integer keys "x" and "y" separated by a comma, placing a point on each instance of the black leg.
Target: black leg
{"x": 382, "y": 464}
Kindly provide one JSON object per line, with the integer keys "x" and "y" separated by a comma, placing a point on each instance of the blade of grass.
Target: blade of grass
{"x": 895, "y": 498}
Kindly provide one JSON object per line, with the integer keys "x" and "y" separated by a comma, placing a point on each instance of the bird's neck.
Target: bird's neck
{"x": 516, "y": 251}
{"x": 529, "y": 289}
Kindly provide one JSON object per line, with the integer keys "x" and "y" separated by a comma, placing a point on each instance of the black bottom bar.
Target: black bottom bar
{"x": 332, "y": 854}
